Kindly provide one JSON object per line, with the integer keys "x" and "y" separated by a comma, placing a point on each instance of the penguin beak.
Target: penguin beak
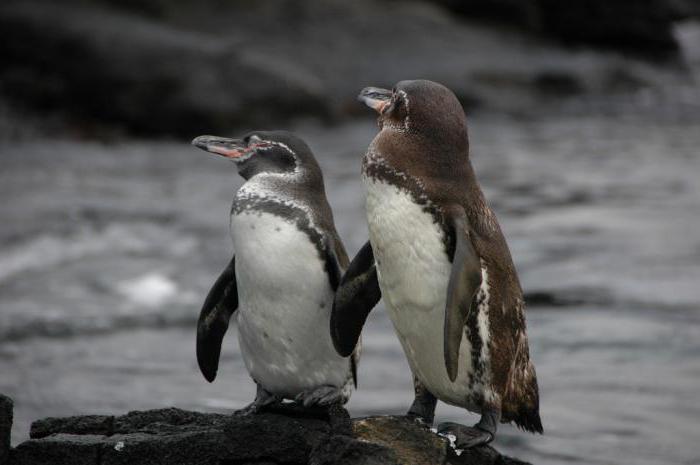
{"x": 229, "y": 148}
{"x": 375, "y": 97}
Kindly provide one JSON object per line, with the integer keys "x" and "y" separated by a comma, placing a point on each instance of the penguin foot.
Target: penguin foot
{"x": 322, "y": 397}
{"x": 421, "y": 412}
{"x": 467, "y": 437}
{"x": 255, "y": 407}
{"x": 262, "y": 400}
{"x": 423, "y": 407}
{"x": 250, "y": 409}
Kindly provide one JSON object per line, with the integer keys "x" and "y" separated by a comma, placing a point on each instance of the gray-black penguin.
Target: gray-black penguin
{"x": 437, "y": 256}
{"x": 282, "y": 279}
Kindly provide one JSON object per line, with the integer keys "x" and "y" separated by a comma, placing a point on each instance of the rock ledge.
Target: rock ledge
{"x": 286, "y": 436}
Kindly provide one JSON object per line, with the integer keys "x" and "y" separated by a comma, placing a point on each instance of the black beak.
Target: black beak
{"x": 375, "y": 98}
{"x": 229, "y": 148}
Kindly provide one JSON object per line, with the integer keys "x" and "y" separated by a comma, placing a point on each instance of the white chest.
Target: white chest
{"x": 285, "y": 301}
{"x": 414, "y": 272}
{"x": 408, "y": 247}
{"x": 272, "y": 254}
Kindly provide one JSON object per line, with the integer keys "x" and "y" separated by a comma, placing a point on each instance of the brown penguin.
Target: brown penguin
{"x": 437, "y": 255}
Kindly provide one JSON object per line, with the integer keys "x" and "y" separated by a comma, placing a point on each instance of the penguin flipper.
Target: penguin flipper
{"x": 220, "y": 304}
{"x": 465, "y": 280}
{"x": 355, "y": 297}
{"x": 336, "y": 261}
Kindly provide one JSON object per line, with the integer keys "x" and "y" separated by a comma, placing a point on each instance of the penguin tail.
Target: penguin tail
{"x": 528, "y": 419}
{"x": 522, "y": 398}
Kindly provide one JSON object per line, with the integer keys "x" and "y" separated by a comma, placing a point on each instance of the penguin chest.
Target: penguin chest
{"x": 414, "y": 270}
{"x": 285, "y": 300}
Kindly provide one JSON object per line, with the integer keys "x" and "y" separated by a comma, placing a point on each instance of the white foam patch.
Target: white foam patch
{"x": 47, "y": 251}
{"x": 452, "y": 440}
{"x": 149, "y": 290}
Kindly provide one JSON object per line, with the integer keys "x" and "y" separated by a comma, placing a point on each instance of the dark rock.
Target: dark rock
{"x": 87, "y": 424}
{"x": 5, "y": 427}
{"x": 286, "y": 435}
{"x": 114, "y": 68}
{"x": 685, "y": 9}
{"x": 641, "y": 26}
{"x": 175, "y": 68}
{"x": 165, "y": 420}
{"x": 60, "y": 449}
{"x": 412, "y": 442}
{"x": 344, "y": 450}
{"x": 188, "y": 448}
{"x": 273, "y": 435}
{"x": 645, "y": 26}
{"x": 482, "y": 455}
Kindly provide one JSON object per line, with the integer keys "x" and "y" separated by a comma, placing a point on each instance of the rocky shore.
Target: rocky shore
{"x": 162, "y": 68}
{"x": 284, "y": 436}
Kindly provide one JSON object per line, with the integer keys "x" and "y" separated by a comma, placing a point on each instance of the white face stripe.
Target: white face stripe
{"x": 407, "y": 118}
{"x": 265, "y": 145}
{"x": 272, "y": 143}
{"x": 387, "y": 124}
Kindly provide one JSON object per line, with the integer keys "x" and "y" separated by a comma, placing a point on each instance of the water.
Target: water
{"x": 107, "y": 250}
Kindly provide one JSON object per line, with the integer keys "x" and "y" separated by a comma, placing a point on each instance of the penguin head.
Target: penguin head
{"x": 419, "y": 107}
{"x": 259, "y": 152}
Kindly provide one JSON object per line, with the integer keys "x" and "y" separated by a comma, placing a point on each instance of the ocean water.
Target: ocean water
{"x": 108, "y": 249}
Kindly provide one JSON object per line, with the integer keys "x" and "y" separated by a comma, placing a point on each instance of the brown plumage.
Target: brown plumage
{"x": 422, "y": 149}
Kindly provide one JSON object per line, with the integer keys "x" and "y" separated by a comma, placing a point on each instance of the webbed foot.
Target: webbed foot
{"x": 480, "y": 434}
{"x": 466, "y": 436}
{"x": 263, "y": 399}
{"x": 423, "y": 407}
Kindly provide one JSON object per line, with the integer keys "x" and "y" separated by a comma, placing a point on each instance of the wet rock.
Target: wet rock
{"x": 641, "y": 26}
{"x": 191, "y": 447}
{"x": 5, "y": 427}
{"x": 645, "y": 26}
{"x": 345, "y": 450}
{"x": 102, "y": 66}
{"x": 186, "y": 68}
{"x": 275, "y": 435}
{"x": 167, "y": 419}
{"x": 414, "y": 443}
{"x": 288, "y": 435}
{"x": 87, "y": 424}
{"x": 60, "y": 449}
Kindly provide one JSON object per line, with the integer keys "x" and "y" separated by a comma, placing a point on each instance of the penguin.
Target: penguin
{"x": 281, "y": 281}
{"x": 437, "y": 257}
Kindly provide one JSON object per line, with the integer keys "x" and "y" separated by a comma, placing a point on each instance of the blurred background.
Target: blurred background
{"x": 585, "y": 134}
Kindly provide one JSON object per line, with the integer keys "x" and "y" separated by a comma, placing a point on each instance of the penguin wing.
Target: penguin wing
{"x": 355, "y": 297}
{"x": 336, "y": 260}
{"x": 220, "y": 304}
{"x": 465, "y": 280}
